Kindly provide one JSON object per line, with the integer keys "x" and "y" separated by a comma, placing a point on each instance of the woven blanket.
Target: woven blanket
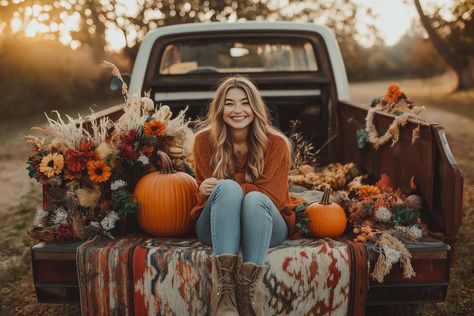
{"x": 140, "y": 275}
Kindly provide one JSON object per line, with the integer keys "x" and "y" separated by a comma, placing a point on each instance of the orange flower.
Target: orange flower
{"x": 154, "y": 128}
{"x": 393, "y": 93}
{"x": 147, "y": 150}
{"x": 367, "y": 190}
{"x": 98, "y": 171}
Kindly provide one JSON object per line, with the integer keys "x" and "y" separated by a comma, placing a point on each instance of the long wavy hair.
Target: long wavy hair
{"x": 257, "y": 141}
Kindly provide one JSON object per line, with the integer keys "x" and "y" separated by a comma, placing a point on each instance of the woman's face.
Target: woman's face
{"x": 238, "y": 113}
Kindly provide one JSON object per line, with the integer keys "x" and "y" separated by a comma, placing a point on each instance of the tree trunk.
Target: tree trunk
{"x": 466, "y": 76}
{"x": 463, "y": 67}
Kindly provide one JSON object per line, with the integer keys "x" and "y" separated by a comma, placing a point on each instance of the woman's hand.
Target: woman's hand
{"x": 207, "y": 186}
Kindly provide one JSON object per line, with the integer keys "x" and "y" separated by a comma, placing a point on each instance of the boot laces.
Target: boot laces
{"x": 247, "y": 288}
{"x": 226, "y": 281}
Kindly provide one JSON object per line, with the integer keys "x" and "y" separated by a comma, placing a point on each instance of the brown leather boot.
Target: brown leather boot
{"x": 250, "y": 293}
{"x": 223, "y": 301}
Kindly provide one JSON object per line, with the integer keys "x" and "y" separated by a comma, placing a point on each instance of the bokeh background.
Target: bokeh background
{"x": 50, "y": 52}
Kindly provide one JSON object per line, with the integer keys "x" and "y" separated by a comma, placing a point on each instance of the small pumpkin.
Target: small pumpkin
{"x": 326, "y": 219}
{"x": 166, "y": 199}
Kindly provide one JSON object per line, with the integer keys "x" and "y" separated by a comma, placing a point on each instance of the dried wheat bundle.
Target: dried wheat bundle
{"x": 70, "y": 133}
{"x": 116, "y": 72}
{"x": 391, "y": 250}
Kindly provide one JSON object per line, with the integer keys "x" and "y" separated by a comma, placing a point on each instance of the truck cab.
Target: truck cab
{"x": 300, "y": 72}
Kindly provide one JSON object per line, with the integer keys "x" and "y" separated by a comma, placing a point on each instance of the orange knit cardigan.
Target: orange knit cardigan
{"x": 273, "y": 183}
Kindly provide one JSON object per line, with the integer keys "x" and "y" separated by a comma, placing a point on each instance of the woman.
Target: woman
{"x": 242, "y": 166}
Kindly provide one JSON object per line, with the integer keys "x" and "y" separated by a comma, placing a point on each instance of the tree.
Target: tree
{"x": 453, "y": 39}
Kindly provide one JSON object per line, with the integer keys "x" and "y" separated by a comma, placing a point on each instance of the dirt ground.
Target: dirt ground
{"x": 20, "y": 196}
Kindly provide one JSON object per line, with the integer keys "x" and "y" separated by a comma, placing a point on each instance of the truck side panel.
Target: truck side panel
{"x": 437, "y": 175}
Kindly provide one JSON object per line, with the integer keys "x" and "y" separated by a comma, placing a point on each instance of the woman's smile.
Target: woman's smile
{"x": 238, "y": 113}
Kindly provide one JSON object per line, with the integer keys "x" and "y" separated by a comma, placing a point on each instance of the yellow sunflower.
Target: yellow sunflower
{"x": 98, "y": 171}
{"x": 52, "y": 164}
{"x": 154, "y": 128}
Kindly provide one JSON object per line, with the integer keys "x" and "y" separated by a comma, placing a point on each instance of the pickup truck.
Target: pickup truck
{"x": 301, "y": 74}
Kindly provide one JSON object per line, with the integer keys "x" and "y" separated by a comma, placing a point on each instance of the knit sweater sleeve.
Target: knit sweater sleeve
{"x": 202, "y": 152}
{"x": 274, "y": 181}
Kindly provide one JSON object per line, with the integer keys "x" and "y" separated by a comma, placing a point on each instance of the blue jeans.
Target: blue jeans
{"x": 230, "y": 219}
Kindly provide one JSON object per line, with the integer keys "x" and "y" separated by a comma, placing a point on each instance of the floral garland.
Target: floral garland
{"x": 394, "y": 102}
{"x": 91, "y": 172}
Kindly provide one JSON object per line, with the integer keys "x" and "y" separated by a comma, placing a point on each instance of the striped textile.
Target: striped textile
{"x": 141, "y": 275}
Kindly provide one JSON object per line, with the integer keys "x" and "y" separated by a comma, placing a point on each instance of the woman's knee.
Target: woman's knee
{"x": 256, "y": 203}
{"x": 228, "y": 185}
{"x": 257, "y": 198}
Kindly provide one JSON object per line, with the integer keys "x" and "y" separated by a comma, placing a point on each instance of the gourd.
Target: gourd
{"x": 326, "y": 219}
{"x": 166, "y": 199}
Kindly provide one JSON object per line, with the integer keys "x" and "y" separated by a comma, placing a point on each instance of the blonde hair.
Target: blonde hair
{"x": 257, "y": 141}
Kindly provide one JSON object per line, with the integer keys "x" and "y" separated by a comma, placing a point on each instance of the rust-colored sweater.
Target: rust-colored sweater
{"x": 273, "y": 183}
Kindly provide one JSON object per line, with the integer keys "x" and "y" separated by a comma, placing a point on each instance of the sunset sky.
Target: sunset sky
{"x": 393, "y": 19}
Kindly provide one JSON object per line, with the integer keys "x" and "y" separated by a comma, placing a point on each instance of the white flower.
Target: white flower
{"x": 383, "y": 214}
{"x": 117, "y": 184}
{"x": 95, "y": 224}
{"x": 415, "y": 232}
{"x": 108, "y": 223}
{"x": 40, "y": 217}
{"x": 60, "y": 216}
{"x": 144, "y": 160}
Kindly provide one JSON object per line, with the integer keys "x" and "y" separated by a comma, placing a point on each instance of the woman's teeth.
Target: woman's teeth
{"x": 238, "y": 118}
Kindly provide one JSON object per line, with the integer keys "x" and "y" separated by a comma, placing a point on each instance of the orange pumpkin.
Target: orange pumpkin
{"x": 166, "y": 199}
{"x": 327, "y": 219}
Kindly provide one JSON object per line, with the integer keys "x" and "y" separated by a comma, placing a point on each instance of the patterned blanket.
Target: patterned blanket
{"x": 140, "y": 275}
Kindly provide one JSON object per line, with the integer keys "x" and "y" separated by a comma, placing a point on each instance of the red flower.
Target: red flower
{"x": 76, "y": 160}
{"x": 64, "y": 233}
{"x": 86, "y": 146}
{"x": 128, "y": 152}
{"x": 130, "y": 138}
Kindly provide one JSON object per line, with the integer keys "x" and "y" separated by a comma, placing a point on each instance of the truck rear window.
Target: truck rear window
{"x": 227, "y": 55}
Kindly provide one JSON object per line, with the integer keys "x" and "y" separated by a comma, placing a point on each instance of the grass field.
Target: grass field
{"x": 21, "y": 196}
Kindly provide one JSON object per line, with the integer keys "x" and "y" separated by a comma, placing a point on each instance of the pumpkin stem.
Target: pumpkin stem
{"x": 167, "y": 163}
{"x": 326, "y": 196}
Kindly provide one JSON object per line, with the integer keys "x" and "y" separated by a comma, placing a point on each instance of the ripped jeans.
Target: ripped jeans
{"x": 230, "y": 219}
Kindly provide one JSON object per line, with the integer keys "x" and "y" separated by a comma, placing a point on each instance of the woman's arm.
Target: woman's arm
{"x": 202, "y": 153}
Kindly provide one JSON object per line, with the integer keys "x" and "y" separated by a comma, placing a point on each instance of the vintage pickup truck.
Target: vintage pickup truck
{"x": 301, "y": 74}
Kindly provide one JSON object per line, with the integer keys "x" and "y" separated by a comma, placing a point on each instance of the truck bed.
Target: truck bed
{"x": 56, "y": 281}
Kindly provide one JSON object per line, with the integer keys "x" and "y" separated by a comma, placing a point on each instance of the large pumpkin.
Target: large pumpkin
{"x": 326, "y": 219}
{"x": 166, "y": 199}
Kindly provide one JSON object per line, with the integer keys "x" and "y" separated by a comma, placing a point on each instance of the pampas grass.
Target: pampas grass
{"x": 133, "y": 117}
{"x": 70, "y": 133}
{"x": 99, "y": 128}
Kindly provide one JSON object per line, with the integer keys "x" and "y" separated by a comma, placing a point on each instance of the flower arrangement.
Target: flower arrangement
{"x": 91, "y": 167}
{"x": 394, "y": 102}
{"x": 378, "y": 212}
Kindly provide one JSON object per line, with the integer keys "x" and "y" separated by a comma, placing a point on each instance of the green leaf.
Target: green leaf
{"x": 374, "y": 102}
{"x": 362, "y": 138}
